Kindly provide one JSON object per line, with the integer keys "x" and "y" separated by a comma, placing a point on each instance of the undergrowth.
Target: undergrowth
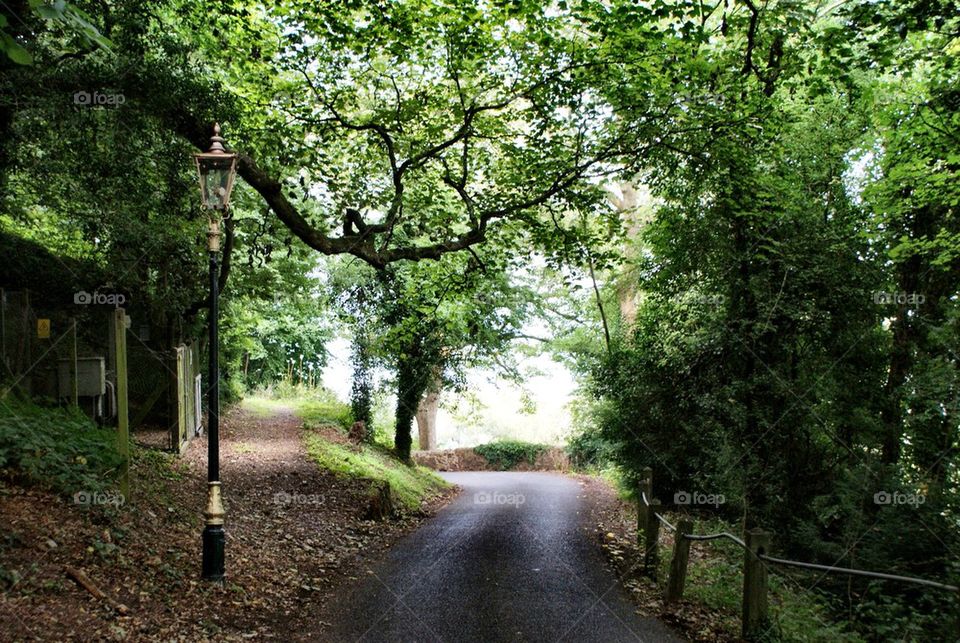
{"x": 58, "y": 449}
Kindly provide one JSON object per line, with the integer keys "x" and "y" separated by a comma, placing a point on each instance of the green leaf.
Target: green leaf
{"x": 48, "y": 13}
{"x": 15, "y": 52}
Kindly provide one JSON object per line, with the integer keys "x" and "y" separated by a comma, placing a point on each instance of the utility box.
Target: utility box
{"x": 91, "y": 377}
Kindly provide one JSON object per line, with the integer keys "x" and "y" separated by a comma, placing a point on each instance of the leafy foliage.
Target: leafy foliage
{"x": 793, "y": 338}
{"x": 361, "y": 389}
{"x": 587, "y": 449}
{"x": 794, "y": 347}
{"x": 507, "y": 454}
{"x": 57, "y": 449}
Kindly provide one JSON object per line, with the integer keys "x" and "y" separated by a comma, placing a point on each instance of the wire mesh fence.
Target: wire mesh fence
{"x": 65, "y": 353}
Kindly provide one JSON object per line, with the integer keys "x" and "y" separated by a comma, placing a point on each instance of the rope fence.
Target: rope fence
{"x": 755, "y": 545}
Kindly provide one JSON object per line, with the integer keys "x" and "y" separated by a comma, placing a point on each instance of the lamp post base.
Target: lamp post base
{"x": 214, "y": 537}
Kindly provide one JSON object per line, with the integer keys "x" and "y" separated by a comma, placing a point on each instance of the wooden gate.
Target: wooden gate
{"x": 188, "y": 396}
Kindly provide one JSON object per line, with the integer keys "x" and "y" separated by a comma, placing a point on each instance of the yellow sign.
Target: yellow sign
{"x": 43, "y": 328}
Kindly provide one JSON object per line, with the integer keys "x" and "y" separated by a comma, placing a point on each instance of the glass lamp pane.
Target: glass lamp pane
{"x": 216, "y": 179}
{"x": 212, "y": 194}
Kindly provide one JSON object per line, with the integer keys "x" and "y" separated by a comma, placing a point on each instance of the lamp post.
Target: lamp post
{"x": 217, "y": 168}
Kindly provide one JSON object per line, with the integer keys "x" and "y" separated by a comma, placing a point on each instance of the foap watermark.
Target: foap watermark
{"x": 93, "y": 498}
{"x": 97, "y": 298}
{"x": 913, "y": 299}
{"x": 698, "y": 498}
{"x": 898, "y": 498}
{"x": 498, "y": 498}
{"x": 98, "y": 99}
{"x": 284, "y": 498}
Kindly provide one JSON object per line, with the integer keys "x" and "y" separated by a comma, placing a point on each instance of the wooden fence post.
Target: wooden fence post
{"x": 123, "y": 426}
{"x": 651, "y": 540}
{"x": 678, "y": 564}
{"x": 646, "y": 487}
{"x": 74, "y": 390}
{"x": 755, "y": 584}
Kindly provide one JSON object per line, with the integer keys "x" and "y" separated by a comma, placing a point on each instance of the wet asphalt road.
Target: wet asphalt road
{"x": 508, "y": 560}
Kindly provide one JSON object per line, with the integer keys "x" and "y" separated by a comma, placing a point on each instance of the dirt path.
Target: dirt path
{"x": 294, "y": 535}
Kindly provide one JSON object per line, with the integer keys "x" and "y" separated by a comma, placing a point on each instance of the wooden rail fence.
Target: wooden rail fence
{"x": 755, "y": 544}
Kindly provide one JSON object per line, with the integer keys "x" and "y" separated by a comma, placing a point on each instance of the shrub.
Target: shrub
{"x": 507, "y": 454}
{"x": 588, "y": 449}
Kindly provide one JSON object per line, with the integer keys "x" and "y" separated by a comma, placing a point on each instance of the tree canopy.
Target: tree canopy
{"x": 774, "y": 318}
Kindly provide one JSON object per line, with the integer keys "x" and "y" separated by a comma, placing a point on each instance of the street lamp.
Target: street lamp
{"x": 217, "y": 169}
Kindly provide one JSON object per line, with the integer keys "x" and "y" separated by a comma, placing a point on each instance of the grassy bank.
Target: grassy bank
{"x": 326, "y": 423}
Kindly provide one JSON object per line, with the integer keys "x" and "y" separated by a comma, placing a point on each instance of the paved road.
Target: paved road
{"x": 508, "y": 560}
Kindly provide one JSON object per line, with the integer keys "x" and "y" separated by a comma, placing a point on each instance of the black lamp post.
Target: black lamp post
{"x": 217, "y": 169}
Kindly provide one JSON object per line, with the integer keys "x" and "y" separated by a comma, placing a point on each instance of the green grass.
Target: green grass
{"x": 370, "y": 462}
{"x": 264, "y": 406}
{"x": 316, "y": 413}
{"x": 316, "y": 405}
{"x": 410, "y": 484}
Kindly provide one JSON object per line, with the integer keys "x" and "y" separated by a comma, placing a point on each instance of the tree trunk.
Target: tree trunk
{"x": 901, "y": 361}
{"x": 407, "y": 400}
{"x": 626, "y": 201}
{"x": 413, "y": 379}
{"x": 909, "y": 331}
{"x": 427, "y": 418}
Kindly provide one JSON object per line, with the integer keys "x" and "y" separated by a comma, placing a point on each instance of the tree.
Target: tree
{"x": 915, "y": 199}
{"x": 429, "y": 322}
{"x": 467, "y": 118}
{"x": 794, "y": 345}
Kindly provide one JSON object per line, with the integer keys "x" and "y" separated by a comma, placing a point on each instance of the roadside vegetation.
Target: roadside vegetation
{"x": 58, "y": 449}
{"x": 803, "y": 604}
{"x": 736, "y": 223}
{"x": 507, "y": 454}
{"x": 412, "y": 485}
{"x": 800, "y": 610}
{"x": 326, "y": 423}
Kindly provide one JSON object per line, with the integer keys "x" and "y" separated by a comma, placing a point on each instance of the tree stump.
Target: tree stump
{"x": 380, "y": 502}
{"x": 358, "y": 432}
